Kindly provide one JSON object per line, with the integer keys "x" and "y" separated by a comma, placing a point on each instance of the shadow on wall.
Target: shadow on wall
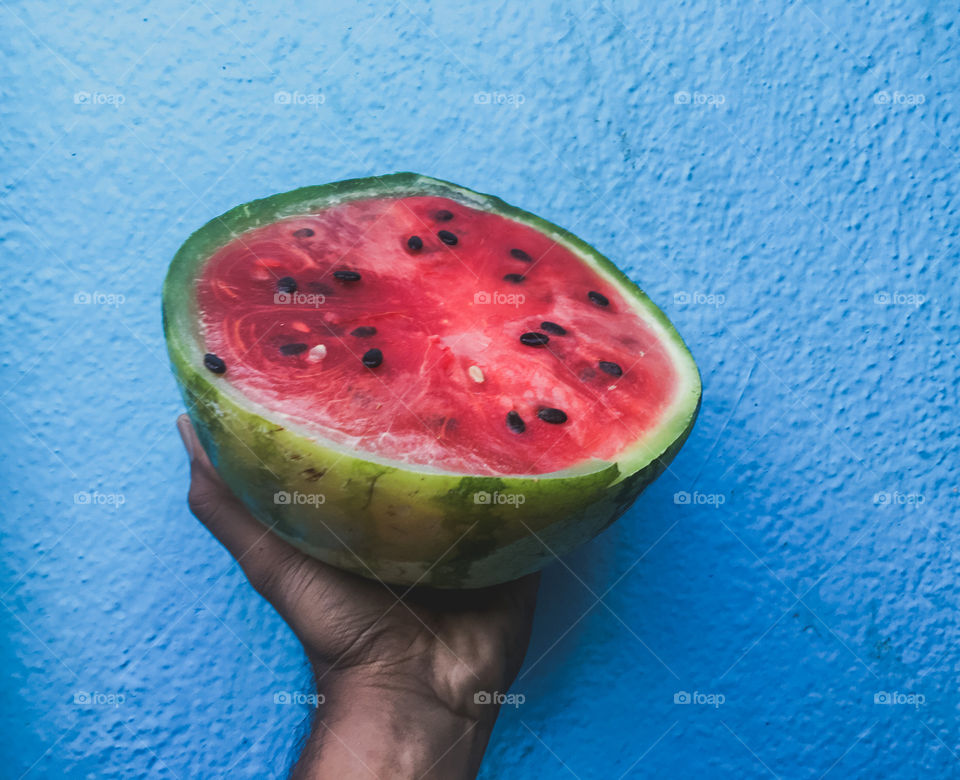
{"x": 570, "y": 588}
{"x": 647, "y": 567}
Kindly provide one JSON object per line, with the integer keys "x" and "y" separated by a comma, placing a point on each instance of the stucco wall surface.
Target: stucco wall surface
{"x": 780, "y": 177}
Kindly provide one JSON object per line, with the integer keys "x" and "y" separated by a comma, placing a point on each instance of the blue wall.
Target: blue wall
{"x": 781, "y": 178}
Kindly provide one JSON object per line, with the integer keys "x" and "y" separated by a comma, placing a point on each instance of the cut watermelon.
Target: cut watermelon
{"x": 420, "y": 383}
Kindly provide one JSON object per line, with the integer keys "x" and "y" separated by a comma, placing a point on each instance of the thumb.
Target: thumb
{"x": 265, "y": 558}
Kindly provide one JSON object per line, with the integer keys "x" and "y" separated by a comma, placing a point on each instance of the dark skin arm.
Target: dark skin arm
{"x": 398, "y": 668}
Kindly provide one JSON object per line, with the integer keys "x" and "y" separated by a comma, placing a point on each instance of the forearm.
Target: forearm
{"x": 376, "y": 732}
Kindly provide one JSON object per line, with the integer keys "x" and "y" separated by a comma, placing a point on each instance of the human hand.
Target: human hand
{"x": 399, "y": 667}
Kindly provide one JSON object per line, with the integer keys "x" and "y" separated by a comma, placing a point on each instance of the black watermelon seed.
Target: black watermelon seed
{"x": 515, "y": 278}
{"x": 287, "y": 284}
{"x": 534, "y": 339}
{"x": 553, "y": 416}
{"x": 448, "y": 238}
{"x": 302, "y": 233}
{"x": 443, "y": 215}
{"x": 611, "y": 368}
{"x": 214, "y": 363}
{"x": 515, "y": 422}
{"x": 364, "y": 331}
{"x": 293, "y": 349}
{"x": 519, "y": 254}
{"x": 552, "y": 327}
{"x": 372, "y": 358}
{"x": 597, "y": 298}
{"x": 415, "y": 243}
{"x": 346, "y": 276}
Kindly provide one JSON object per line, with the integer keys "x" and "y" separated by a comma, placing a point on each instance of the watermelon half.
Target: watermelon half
{"x": 420, "y": 383}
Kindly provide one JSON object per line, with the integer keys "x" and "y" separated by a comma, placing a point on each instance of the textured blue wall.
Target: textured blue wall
{"x": 780, "y": 177}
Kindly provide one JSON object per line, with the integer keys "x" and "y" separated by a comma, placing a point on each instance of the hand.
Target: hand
{"x": 399, "y": 667}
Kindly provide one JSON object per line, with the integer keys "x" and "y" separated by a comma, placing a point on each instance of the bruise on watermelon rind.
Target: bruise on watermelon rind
{"x": 394, "y": 521}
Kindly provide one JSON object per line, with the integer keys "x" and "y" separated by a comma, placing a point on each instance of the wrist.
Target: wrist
{"x": 393, "y": 725}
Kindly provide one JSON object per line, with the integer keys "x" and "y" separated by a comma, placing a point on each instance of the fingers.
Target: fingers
{"x": 305, "y": 592}
{"x": 264, "y": 557}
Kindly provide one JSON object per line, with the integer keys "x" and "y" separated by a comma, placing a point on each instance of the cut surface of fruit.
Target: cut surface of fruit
{"x": 426, "y": 350}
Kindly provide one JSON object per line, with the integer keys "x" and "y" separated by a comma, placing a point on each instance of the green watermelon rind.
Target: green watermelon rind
{"x": 397, "y": 522}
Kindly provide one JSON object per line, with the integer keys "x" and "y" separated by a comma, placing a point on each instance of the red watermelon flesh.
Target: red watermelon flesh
{"x": 298, "y": 309}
